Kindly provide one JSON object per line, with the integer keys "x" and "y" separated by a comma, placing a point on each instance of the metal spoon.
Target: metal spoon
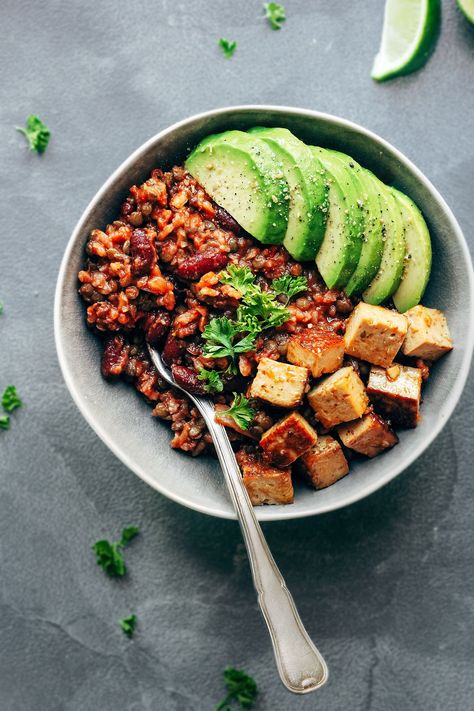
{"x": 301, "y": 667}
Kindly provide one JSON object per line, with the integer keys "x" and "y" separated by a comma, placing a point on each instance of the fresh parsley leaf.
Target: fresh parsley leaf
{"x": 219, "y": 334}
{"x": 275, "y": 14}
{"x": 241, "y": 278}
{"x": 128, "y": 534}
{"x": 4, "y": 422}
{"x": 289, "y": 285}
{"x": 240, "y": 411}
{"x": 128, "y": 625}
{"x": 10, "y": 399}
{"x": 212, "y": 381}
{"x": 109, "y": 555}
{"x": 240, "y": 688}
{"x": 262, "y": 306}
{"x": 227, "y": 47}
{"x": 36, "y": 133}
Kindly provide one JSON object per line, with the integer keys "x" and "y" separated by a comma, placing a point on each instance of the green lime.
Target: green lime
{"x": 467, "y": 8}
{"x": 410, "y": 30}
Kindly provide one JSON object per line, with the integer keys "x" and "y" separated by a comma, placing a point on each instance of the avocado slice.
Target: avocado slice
{"x": 308, "y": 191}
{"x": 241, "y": 174}
{"x": 417, "y": 264}
{"x": 342, "y": 244}
{"x": 389, "y": 275}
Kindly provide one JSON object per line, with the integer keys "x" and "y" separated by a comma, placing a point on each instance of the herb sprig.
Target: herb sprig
{"x": 128, "y": 625}
{"x": 241, "y": 688}
{"x": 10, "y": 399}
{"x": 212, "y": 381}
{"x": 109, "y": 555}
{"x": 289, "y": 285}
{"x": 241, "y": 411}
{"x": 275, "y": 14}
{"x": 228, "y": 47}
{"x": 36, "y": 132}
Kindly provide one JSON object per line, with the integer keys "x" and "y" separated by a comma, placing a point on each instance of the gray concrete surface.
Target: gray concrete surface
{"x": 385, "y": 587}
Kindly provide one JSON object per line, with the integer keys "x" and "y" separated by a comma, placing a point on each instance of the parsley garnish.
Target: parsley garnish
{"x": 1, "y": 308}
{"x": 109, "y": 555}
{"x": 240, "y": 411}
{"x": 4, "y": 422}
{"x": 275, "y": 14}
{"x": 241, "y": 278}
{"x": 227, "y": 47}
{"x": 212, "y": 381}
{"x": 241, "y": 688}
{"x": 128, "y": 625}
{"x": 10, "y": 399}
{"x": 36, "y": 133}
{"x": 289, "y": 286}
{"x": 219, "y": 335}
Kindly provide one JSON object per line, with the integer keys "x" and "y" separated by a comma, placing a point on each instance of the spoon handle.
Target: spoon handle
{"x": 301, "y": 667}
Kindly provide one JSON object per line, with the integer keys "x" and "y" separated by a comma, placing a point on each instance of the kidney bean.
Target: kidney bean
{"x": 225, "y": 220}
{"x": 212, "y": 260}
{"x": 173, "y": 350}
{"x": 156, "y": 326}
{"x": 187, "y": 379}
{"x": 142, "y": 252}
{"x": 114, "y": 356}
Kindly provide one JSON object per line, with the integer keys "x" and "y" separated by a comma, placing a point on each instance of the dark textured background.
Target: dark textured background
{"x": 385, "y": 586}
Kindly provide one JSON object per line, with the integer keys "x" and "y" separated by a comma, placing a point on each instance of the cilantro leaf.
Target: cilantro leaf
{"x": 128, "y": 624}
{"x": 212, "y": 381}
{"x": 109, "y": 555}
{"x": 10, "y": 399}
{"x": 36, "y": 133}
{"x": 219, "y": 334}
{"x": 128, "y": 534}
{"x": 275, "y": 14}
{"x": 241, "y": 278}
{"x": 241, "y": 411}
{"x": 289, "y": 285}
{"x": 227, "y": 47}
{"x": 4, "y": 422}
{"x": 240, "y": 688}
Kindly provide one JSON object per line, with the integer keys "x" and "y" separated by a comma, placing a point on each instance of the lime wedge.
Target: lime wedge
{"x": 467, "y": 8}
{"x": 410, "y": 29}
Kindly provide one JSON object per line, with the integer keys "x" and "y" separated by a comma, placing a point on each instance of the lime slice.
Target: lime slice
{"x": 410, "y": 29}
{"x": 467, "y": 8}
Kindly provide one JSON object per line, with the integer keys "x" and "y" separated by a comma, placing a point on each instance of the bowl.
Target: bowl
{"x": 122, "y": 419}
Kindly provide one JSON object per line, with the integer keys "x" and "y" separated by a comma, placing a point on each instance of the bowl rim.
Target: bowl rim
{"x": 278, "y": 513}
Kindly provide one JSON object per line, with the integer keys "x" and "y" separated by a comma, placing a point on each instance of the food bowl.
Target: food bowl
{"x": 123, "y": 420}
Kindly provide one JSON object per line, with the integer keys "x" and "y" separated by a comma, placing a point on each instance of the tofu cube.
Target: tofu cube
{"x": 375, "y": 334}
{"x": 396, "y": 393}
{"x": 288, "y": 439}
{"x": 319, "y": 350}
{"x": 279, "y": 384}
{"x": 265, "y": 484}
{"x": 370, "y": 435}
{"x": 324, "y": 463}
{"x": 428, "y": 334}
{"x": 340, "y": 397}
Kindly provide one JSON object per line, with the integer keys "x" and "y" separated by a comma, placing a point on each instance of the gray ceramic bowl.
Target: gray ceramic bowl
{"x": 122, "y": 419}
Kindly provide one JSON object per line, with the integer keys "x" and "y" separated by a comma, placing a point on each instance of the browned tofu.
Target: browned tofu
{"x": 396, "y": 393}
{"x": 340, "y": 397}
{"x": 370, "y": 435}
{"x": 428, "y": 334}
{"x": 324, "y": 463}
{"x": 265, "y": 484}
{"x": 288, "y": 439}
{"x": 318, "y": 349}
{"x": 279, "y": 384}
{"x": 375, "y": 334}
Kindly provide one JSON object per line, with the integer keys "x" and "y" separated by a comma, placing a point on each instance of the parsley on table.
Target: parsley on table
{"x": 275, "y": 14}
{"x": 240, "y": 411}
{"x": 109, "y": 555}
{"x": 10, "y": 399}
{"x": 212, "y": 381}
{"x": 128, "y": 625}
{"x": 227, "y": 47}
{"x": 289, "y": 285}
{"x": 220, "y": 334}
{"x": 36, "y": 132}
{"x": 4, "y": 422}
{"x": 1, "y": 308}
{"x": 241, "y": 688}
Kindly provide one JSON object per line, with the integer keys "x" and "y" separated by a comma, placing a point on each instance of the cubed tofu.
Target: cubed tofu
{"x": 340, "y": 397}
{"x": 375, "y": 334}
{"x": 279, "y": 384}
{"x": 428, "y": 334}
{"x": 265, "y": 484}
{"x": 288, "y": 439}
{"x": 318, "y": 349}
{"x": 324, "y": 463}
{"x": 396, "y": 393}
{"x": 370, "y": 435}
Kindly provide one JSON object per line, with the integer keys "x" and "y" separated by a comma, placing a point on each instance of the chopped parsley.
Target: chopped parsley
{"x": 128, "y": 625}
{"x": 275, "y": 14}
{"x": 212, "y": 381}
{"x": 241, "y": 688}
{"x": 289, "y": 285}
{"x": 109, "y": 555}
{"x": 220, "y": 335}
{"x": 36, "y": 133}
{"x": 227, "y": 47}
{"x": 240, "y": 411}
{"x": 4, "y": 422}
{"x": 10, "y": 399}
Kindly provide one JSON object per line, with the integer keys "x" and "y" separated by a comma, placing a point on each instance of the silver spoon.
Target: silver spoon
{"x": 301, "y": 667}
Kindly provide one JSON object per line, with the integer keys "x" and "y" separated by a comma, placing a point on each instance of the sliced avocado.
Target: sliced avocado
{"x": 340, "y": 251}
{"x": 388, "y": 277}
{"x": 308, "y": 191}
{"x": 241, "y": 174}
{"x": 417, "y": 265}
